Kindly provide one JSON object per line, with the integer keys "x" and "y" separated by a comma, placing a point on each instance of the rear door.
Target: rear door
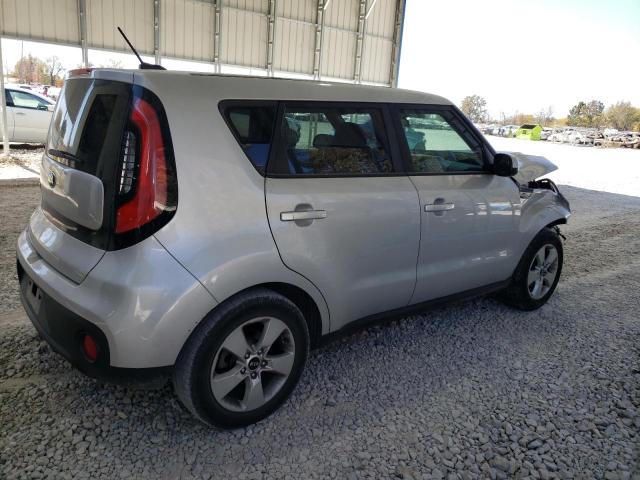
{"x": 32, "y": 116}
{"x": 341, "y": 211}
{"x": 468, "y": 215}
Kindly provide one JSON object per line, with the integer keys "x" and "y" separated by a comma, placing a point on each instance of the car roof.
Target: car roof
{"x": 268, "y": 88}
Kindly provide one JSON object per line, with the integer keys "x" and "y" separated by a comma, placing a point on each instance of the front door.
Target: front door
{"x": 340, "y": 211}
{"x": 469, "y": 215}
{"x": 32, "y": 117}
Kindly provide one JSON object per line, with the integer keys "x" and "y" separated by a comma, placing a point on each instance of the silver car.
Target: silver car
{"x": 213, "y": 228}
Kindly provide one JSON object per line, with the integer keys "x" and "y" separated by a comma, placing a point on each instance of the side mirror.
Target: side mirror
{"x": 42, "y": 106}
{"x": 503, "y": 165}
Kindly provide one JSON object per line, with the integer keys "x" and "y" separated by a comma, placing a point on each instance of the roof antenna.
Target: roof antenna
{"x": 143, "y": 65}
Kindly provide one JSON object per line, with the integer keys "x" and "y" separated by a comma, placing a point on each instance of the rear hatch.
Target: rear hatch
{"x": 107, "y": 176}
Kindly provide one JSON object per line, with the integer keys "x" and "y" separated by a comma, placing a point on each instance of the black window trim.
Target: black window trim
{"x": 225, "y": 105}
{"x": 397, "y": 143}
{"x": 13, "y": 104}
{"x": 392, "y": 144}
{"x": 468, "y": 133}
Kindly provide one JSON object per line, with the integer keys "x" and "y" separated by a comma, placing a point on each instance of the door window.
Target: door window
{"x": 27, "y": 100}
{"x": 435, "y": 146}
{"x": 332, "y": 141}
{"x": 253, "y": 128}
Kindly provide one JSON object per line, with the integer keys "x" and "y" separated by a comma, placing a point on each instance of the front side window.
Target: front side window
{"x": 435, "y": 146}
{"x": 332, "y": 141}
{"x": 253, "y": 128}
{"x": 27, "y": 100}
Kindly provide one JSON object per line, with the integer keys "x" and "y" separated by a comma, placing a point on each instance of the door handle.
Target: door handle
{"x": 303, "y": 215}
{"x": 439, "y": 207}
{"x": 20, "y": 113}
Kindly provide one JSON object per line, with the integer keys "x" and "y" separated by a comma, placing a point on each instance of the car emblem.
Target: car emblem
{"x": 51, "y": 178}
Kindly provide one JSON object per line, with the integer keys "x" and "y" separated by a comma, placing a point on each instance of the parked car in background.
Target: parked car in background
{"x": 28, "y": 115}
{"x": 508, "y": 130}
{"x": 546, "y": 132}
{"x": 167, "y": 244}
{"x": 576, "y": 137}
{"x": 559, "y": 135}
{"x": 489, "y": 129}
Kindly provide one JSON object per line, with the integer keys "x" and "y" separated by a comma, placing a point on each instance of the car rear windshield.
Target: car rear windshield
{"x": 89, "y": 114}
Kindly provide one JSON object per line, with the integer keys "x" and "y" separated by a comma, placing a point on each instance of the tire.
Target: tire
{"x": 523, "y": 292}
{"x": 206, "y": 365}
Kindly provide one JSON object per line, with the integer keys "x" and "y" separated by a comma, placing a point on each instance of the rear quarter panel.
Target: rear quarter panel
{"x": 220, "y": 231}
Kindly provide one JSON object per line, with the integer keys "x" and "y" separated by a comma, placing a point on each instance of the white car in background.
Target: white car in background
{"x": 28, "y": 115}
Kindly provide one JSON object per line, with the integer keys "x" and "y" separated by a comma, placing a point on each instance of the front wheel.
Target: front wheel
{"x": 243, "y": 360}
{"x": 537, "y": 274}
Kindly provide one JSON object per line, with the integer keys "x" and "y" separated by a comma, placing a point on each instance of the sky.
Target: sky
{"x": 523, "y": 55}
{"x": 520, "y": 55}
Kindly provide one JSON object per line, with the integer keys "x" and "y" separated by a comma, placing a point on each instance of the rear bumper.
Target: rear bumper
{"x": 140, "y": 302}
{"x": 64, "y": 330}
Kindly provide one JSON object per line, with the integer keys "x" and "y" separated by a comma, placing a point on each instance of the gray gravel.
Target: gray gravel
{"x": 473, "y": 390}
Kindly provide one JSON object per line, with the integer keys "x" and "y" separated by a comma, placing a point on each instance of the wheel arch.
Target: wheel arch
{"x": 300, "y": 297}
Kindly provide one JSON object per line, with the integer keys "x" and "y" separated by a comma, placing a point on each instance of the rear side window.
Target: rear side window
{"x": 435, "y": 146}
{"x": 316, "y": 140}
{"x": 253, "y": 128}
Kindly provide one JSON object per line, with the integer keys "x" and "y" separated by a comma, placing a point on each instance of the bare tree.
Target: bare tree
{"x": 545, "y": 116}
{"x": 54, "y": 69}
{"x": 30, "y": 69}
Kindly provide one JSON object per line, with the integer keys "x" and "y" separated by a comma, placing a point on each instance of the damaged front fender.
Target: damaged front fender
{"x": 531, "y": 167}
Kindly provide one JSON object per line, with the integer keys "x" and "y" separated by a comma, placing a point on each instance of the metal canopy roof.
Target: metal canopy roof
{"x": 351, "y": 40}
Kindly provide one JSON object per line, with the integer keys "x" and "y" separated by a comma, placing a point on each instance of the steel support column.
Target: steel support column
{"x": 271, "y": 24}
{"x": 3, "y": 104}
{"x": 362, "y": 21}
{"x": 317, "y": 50}
{"x": 156, "y": 31}
{"x": 397, "y": 43}
{"x": 82, "y": 22}
{"x": 217, "y": 13}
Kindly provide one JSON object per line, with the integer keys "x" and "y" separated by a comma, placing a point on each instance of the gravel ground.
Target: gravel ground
{"x": 23, "y": 162}
{"x": 473, "y": 390}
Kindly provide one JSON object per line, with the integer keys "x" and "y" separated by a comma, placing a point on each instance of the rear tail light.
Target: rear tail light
{"x": 147, "y": 185}
{"x": 89, "y": 348}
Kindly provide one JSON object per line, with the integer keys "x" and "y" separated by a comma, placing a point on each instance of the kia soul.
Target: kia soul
{"x": 213, "y": 228}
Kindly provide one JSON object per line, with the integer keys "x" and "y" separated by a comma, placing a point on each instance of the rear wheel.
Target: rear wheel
{"x": 243, "y": 360}
{"x": 537, "y": 274}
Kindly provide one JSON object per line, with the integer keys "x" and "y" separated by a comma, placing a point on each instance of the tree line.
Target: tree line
{"x": 593, "y": 114}
{"x": 32, "y": 69}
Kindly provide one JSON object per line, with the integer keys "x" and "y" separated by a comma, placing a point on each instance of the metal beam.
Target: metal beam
{"x": 397, "y": 43}
{"x": 82, "y": 22}
{"x": 156, "y": 31}
{"x": 317, "y": 49}
{"x": 3, "y": 104}
{"x": 271, "y": 23}
{"x": 362, "y": 21}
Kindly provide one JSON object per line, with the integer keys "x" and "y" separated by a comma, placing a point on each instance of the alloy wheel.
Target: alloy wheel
{"x": 252, "y": 364}
{"x": 542, "y": 271}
